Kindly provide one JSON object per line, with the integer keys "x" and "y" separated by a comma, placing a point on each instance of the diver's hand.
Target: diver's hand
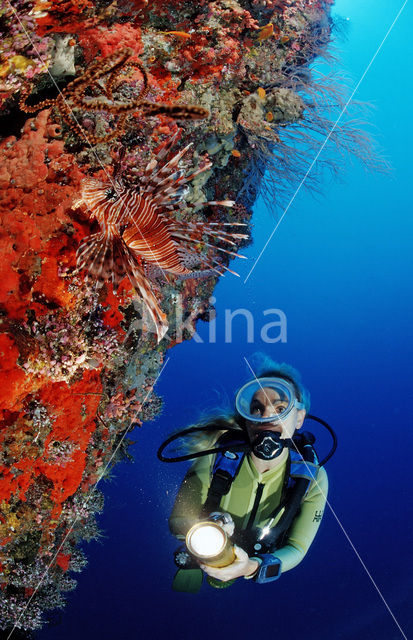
{"x": 242, "y": 566}
{"x": 224, "y": 520}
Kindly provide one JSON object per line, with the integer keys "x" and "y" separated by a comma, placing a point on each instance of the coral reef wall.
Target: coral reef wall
{"x": 96, "y": 90}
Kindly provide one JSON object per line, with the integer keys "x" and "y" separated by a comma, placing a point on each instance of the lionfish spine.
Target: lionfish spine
{"x": 208, "y": 244}
{"x": 206, "y": 262}
{"x": 222, "y": 235}
{"x": 228, "y": 224}
{"x": 140, "y": 283}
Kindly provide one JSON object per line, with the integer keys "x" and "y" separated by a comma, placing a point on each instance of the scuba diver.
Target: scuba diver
{"x": 258, "y": 478}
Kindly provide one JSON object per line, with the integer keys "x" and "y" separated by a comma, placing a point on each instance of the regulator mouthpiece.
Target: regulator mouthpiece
{"x": 209, "y": 543}
{"x": 268, "y": 445}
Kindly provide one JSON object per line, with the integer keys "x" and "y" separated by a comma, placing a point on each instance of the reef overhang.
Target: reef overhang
{"x": 79, "y": 362}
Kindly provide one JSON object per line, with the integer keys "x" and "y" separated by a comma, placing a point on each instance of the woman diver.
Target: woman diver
{"x": 261, "y": 482}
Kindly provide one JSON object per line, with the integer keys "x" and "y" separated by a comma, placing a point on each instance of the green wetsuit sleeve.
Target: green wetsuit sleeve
{"x": 305, "y": 525}
{"x": 191, "y": 497}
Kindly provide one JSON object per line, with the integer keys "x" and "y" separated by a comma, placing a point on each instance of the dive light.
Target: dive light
{"x": 208, "y": 542}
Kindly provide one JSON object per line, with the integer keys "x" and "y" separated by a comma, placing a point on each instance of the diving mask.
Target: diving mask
{"x": 266, "y": 400}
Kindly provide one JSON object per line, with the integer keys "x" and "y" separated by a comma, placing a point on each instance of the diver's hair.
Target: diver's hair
{"x": 265, "y": 367}
{"x": 203, "y": 440}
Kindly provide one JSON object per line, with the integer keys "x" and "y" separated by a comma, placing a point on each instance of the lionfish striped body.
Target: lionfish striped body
{"x": 137, "y": 229}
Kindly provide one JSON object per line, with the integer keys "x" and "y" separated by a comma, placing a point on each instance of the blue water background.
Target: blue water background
{"x": 340, "y": 268}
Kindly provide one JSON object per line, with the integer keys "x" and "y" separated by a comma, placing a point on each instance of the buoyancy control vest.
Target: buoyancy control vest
{"x": 302, "y": 469}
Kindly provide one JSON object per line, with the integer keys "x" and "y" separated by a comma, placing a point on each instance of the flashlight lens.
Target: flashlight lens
{"x": 207, "y": 541}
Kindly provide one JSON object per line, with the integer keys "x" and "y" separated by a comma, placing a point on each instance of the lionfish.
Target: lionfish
{"x": 137, "y": 230}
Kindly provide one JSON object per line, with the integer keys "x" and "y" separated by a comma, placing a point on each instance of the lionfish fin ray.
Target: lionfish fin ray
{"x": 100, "y": 256}
{"x": 109, "y": 258}
{"x": 140, "y": 282}
{"x": 164, "y": 181}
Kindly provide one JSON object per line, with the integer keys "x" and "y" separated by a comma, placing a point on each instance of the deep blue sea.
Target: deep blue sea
{"x": 340, "y": 268}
